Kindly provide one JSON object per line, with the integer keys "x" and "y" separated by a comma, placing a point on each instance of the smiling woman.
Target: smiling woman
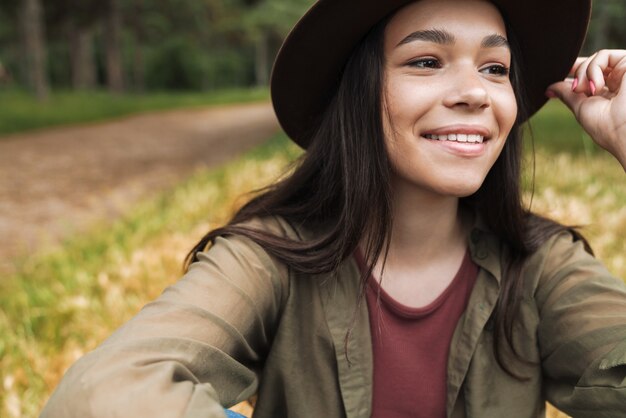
{"x": 449, "y": 86}
{"x": 395, "y": 272}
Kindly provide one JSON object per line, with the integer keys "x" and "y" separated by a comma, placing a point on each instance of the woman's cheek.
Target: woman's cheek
{"x": 505, "y": 109}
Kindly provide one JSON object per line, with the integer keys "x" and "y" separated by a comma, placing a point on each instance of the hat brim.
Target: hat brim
{"x": 309, "y": 64}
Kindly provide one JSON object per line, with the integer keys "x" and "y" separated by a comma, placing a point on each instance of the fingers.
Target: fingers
{"x": 579, "y": 61}
{"x": 577, "y": 64}
{"x": 616, "y": 76}
{"x": 563, "y": 90}
{"x": 605, "y": 68}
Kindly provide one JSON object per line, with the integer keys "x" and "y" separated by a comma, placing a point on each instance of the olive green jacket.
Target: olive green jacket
{"x": 240, "y": 323}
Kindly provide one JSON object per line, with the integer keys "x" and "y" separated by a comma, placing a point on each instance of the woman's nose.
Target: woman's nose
{"x": 466, "y": 91}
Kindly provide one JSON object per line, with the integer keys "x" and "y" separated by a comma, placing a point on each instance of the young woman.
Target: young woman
{"x": 396, "y": 272}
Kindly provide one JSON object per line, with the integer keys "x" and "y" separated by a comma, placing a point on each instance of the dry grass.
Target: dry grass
{"x": 63, "y": 304}
{"x": 586, "y": 191}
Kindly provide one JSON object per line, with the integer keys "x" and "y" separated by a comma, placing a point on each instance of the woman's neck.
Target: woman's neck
{"x": 428, "y": 244}
{"x": 427, "y": 227}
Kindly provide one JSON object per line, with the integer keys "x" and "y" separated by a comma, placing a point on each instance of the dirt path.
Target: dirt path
{"x": 55, "y": 182}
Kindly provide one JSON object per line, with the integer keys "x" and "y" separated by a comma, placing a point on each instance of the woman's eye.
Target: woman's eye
{"x": 425, "y": 63}
{"x": 499, "y": 70}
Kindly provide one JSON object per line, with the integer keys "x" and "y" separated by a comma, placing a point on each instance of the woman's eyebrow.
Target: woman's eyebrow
{"x": 494, "y": 41}
{"x": 440, "y": 36}
{"x": 437, "y": 36}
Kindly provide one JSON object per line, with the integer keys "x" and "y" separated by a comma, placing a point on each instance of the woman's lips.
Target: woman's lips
{"x": 459, "y": 133}
{"x": 471, "y": 138}
{"x": 462, "y": 145}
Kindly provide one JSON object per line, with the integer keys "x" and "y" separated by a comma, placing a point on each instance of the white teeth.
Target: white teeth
{"x": 473, "y": 138}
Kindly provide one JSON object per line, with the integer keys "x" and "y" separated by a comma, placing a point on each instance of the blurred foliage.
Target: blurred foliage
{"x": 607, "y": 28}
{"x": 176, "y": 65}
{"x": 556, "y": 129}
{"x": 178, "y": 45}
{"x": 192, "y": 44}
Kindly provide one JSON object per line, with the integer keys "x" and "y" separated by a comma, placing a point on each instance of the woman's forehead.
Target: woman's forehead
{"x": 447, "y": 15}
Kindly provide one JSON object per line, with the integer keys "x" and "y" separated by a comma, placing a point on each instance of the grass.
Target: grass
{"x": 63, "y": 302}
{"x": 556, "y": 130}
{"x": 20, "y": 112}
{"x": 575, "y": 183}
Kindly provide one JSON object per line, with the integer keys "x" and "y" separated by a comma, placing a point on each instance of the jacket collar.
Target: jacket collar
{"x": 487, "y": 252}
{"x": 485, "y": 248}
{"x": 339, "y": 295}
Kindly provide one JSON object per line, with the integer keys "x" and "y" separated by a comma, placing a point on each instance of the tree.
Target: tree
{"x": 34, "y": 47}
{"x": 82, "y": 57}
{"x": 266, "y": 23}
{"x": 113, "y": 48}
{"x": 137, "y": 27}
{"x": 224, "y": 42}
{"x": 74, "y": 22}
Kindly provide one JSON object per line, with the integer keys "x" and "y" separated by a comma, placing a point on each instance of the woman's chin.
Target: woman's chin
{"x": 463, "y": 192}
{"x": 444, "y": 183}
{"x": 464, "y": 188}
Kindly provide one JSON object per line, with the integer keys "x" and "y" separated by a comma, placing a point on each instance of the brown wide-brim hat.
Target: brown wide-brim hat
{"x": 309, "y": 64}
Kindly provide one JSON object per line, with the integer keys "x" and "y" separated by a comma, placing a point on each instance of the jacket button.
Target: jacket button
{"x": 482, "y": 254}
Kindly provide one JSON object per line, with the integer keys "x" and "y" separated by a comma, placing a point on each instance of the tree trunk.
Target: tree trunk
{"x": 82, "y": 57}
{"x": 138, "y": 66}
{"x": 113, "y": 53}
{"x": 139, "y": 37}
{"x": 32, "y": 27}
{"x": 262, "y": 60}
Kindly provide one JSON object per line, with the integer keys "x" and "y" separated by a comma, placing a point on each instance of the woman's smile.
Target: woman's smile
{"x": 448, "y": 101}
{"x": 468, "y": 141}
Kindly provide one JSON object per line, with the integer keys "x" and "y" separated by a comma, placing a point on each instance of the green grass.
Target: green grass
{"x": 20, "y": 112}
{"x": 556, "y": 130}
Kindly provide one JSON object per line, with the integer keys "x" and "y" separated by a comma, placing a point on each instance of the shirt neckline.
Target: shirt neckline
{"x": 409, "y": 311}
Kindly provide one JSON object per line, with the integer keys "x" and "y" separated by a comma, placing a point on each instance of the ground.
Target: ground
{"x": 57, "y": 182}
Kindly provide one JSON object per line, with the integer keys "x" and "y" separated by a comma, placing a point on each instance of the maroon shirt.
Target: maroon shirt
{"x": 411, "y": 346}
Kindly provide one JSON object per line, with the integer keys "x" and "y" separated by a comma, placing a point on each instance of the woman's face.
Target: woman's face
{"x": 448, "y": 101}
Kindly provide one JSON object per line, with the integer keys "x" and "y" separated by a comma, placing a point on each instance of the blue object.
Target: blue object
{"x": 231, "y": 414}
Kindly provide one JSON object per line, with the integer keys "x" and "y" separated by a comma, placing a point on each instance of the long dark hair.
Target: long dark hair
{"x": 341, "y": 188}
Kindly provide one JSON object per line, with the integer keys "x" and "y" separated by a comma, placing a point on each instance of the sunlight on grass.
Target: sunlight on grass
{"x": 579, "y": 190}
{"x": 61, "y": 304}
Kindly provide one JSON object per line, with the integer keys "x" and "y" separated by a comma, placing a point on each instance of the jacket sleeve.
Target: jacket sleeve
{"x": 199, "y": 346}
{"x": 582, "y": 333}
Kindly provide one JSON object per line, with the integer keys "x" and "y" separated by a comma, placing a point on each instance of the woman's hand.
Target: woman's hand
{"x": 597, "y": 97}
